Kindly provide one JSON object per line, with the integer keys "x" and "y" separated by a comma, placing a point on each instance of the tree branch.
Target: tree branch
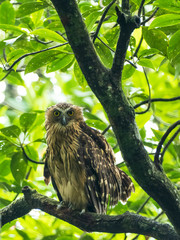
{"x": 156, "y": 100}
{"x": 168, "y": 143}
{"x": 161, "y": 142}
{"x": 127, "y": 222}
{"x": 127, "y": 26}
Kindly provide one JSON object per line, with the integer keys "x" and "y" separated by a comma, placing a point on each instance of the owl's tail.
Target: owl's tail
{"x": 127, "y": 186}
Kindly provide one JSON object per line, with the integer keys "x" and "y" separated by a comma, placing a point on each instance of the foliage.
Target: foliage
{"x": 44, "y": 72}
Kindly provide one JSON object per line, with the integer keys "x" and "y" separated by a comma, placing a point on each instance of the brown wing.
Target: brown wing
{"x": 105, "y": 182}
{"x": 48, "y": 177}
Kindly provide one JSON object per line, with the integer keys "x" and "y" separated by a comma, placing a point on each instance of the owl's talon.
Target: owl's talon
{"x": 61, "y": 204}
{"x": 83, "y": 211}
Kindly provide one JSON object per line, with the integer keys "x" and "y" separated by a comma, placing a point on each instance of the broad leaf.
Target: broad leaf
{"x": 174, "y": 45}
{"x": 79, "y": 76}
{"x": 104, "y": 54}
{"x": 60, "y": 63}
{"x": 165, "y": 20}
{"x": 170, "y": 5}
{"x": 41, "y": 59}
{"x": 144, "y": 62}
{"x": 30, "y": 7}
{"x": 155, "y": 38}
{"x": 48, "y": 34}
{"x": 18, "y": 167}
{"x": 7, "y": 14}
{"x": 11, "y": 131}
{"x": 91, "y": 19}
{"x": 12, "y": 28}
{"x": 128, "y": 71}
{"x": 26, "y": 120}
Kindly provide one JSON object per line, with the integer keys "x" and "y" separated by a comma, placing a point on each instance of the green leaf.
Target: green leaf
{"x": 142, "y": 121}
{"x": 96, "y": 124}
{"x": 165, "y": 20}
{"x": 48, "y": 34}
{"x": 41, "y": 59}
{"x": 60, "y": 63}
{"x": 174, "y": 46}
{"x": 104, "y": 54}
{"x": 13, "y": 55}
{"x": 144, "y": 62}
{"x": 30, "y": 7}
{"x": 18, "y": 167}
{"x": 128, "y": 71}
{"x": 26, "y": 120}
{"x": 23, "y": 234}
{"x": 170, "y": 5}
{"x": 148, "y": 52}
{"x": 15, "y": 79}
{"x": 5, "y": 167}
{"x": 7, "y": 14}
{"x": 155, "y": 38}
{"x": 79, "y": 76}
{"x": 12, "y": 28}
{"x": 11, "y": 131}
{"x": 91, "y": 19}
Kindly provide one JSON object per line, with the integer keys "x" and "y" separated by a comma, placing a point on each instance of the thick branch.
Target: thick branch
{"x": 127, "y": 222}
{"x": 127, "y": 26}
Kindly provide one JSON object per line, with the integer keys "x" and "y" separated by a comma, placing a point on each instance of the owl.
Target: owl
{"x": 80, "y": 162}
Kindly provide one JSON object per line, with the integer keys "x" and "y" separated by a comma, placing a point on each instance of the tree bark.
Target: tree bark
{"x": 105, "y": 83}
{"x": 90, "y": 222}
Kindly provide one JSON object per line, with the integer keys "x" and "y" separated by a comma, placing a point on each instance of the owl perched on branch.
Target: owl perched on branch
{"x": 80, "y": 162}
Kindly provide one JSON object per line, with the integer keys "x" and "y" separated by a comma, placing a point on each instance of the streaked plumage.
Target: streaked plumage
{"x": 80, "y": 162}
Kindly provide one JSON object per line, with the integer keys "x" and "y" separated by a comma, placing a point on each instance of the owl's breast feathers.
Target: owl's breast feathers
{"x": 82, "y": 168}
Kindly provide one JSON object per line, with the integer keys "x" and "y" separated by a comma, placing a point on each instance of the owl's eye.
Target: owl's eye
{"x": 70, "y": 113}
{"x": 56, "y": 113}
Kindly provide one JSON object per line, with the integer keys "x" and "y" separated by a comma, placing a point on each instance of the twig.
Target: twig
{"x": 40, "y": 41}
{"x": 161, "y": 142}
{"x": 149, "y": 18}
{"x": 168, "y": 143}
{"x": 102, "y": 19}
{"x": 157, "y": 100}
{"x": 106, "y": 129}
{"x": 28, "y": 158}
{"x": 105, "y": 44}
{"x": 142, "y": 206}
{"x": 140, "y": 8}
{"x": 29, "y": 54}
{"x": 138, "y": 47}
{"x": 149, "y": 100}
{"x": 161, "y": 213}
{"x": 127, "y": 26}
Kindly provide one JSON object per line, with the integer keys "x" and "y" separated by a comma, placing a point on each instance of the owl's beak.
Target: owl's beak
{"x": 63, "y": 120}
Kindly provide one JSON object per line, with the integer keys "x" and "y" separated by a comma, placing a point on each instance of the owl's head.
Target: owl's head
{"x": 63, "y": 114}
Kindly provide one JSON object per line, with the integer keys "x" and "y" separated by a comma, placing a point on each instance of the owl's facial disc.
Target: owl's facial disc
{"x": 63, "y": 117}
